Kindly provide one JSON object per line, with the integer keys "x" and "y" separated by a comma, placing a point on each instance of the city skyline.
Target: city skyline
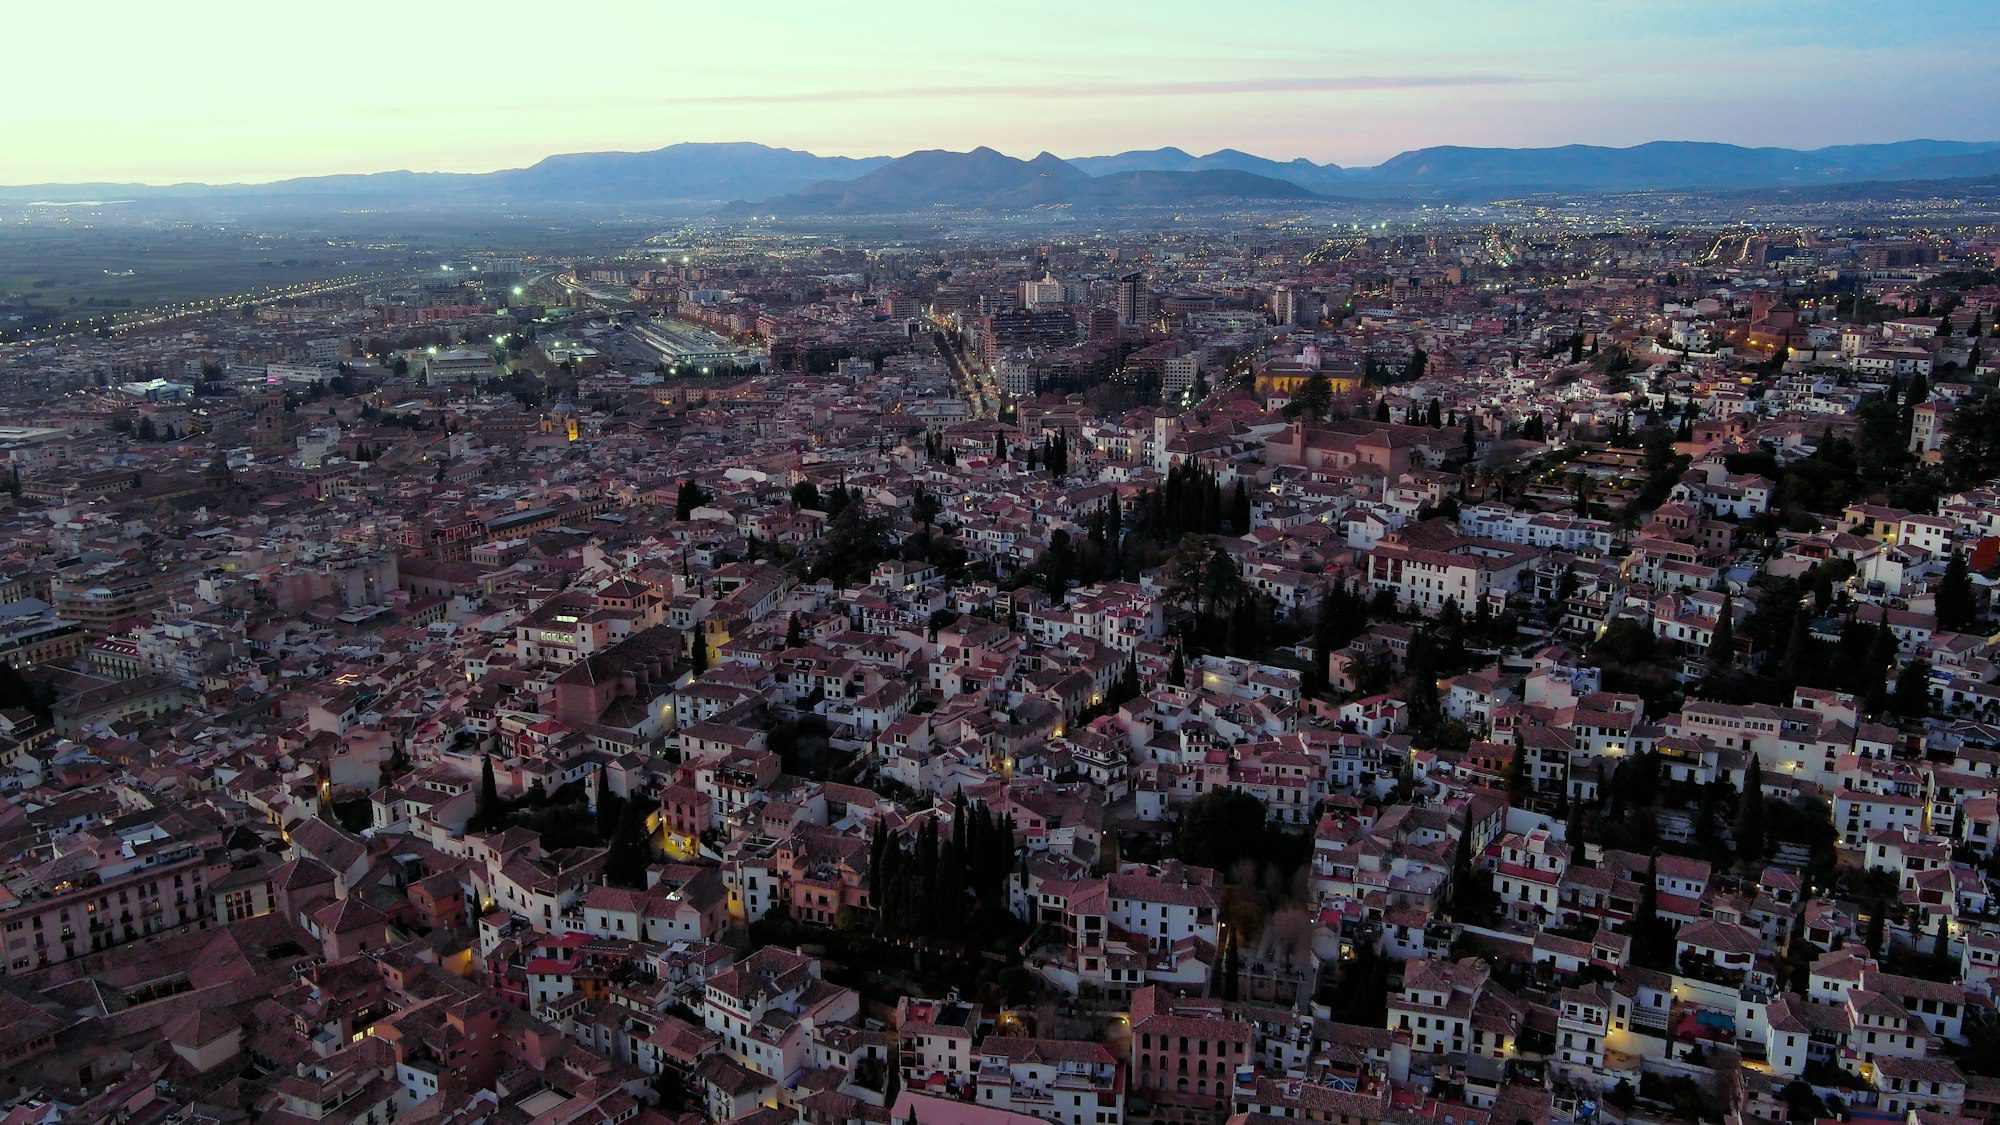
{"x": 237, "y": 97}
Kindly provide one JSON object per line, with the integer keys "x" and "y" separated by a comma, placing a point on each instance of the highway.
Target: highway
{"x": 167, "y": 314}
{"x": 572, "y": 285}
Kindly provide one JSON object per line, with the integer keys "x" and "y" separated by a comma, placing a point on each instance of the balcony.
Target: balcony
{"x": 1031, "y": 1095}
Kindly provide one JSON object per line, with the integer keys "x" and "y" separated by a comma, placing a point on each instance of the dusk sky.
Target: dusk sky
{"x": 148, "y": 92}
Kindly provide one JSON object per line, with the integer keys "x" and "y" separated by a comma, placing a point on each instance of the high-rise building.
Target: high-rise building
{"x": 1292, "y": 305}
{"x": 1135, "y": 301}
{"x": 1177, "y": 376}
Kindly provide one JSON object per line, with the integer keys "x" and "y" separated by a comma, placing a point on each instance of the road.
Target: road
{"x": 571, "y": 286}
{"x": 532, "y": 286}
{"x": 977, "y": 389}
{"x": 167, "y": 314}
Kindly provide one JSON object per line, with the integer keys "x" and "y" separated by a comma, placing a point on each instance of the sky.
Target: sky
{"x": 221, "y": 91}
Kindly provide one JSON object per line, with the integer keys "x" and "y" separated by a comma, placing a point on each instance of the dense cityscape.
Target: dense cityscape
{"x": 1209, "y": 672}
{"x": 1041, "y": 564}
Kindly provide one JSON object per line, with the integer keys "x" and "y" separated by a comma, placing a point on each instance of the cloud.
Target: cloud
{"x": 1180, "y": 89}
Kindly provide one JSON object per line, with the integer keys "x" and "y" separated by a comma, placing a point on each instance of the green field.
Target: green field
{"x": 48, "y": 272}
{"x": 66, "y": 264}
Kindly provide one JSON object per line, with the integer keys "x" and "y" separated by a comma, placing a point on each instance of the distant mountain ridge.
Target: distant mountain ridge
{"x": 991, "y": 180}
{"x": 683, "y": 171}
{"x": 749, "y": 178}
{"x": 1320, "y": 178}
{"x": 692, "y": 172}
{"x": 930, "y": 178}
{"x": 1673, "y": 164}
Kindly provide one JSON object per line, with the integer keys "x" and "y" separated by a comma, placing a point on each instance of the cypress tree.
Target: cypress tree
{"x": 878, "y": 846}
{"x": 1468, "y": 883}
{"x": 629, "y": 855}
{"x": 1239, "y": 509}
{"x": 885, "y": 888}
{"x": 1722, "y": 643}
{"x": 1918, "y": 392}
{"x": 1944, "y": 967}
{"x": 974, "y": 855}
{"x": 1849, "y": 661}
{"x": 948, "y": 912}
{"x": 1704, "y": 819}
{"x": 1128, "y": 681}
{"x": 1009, "y": 856}
{"x": 1912, "y": 698}
{"x": 1956, "y": 603}
{"x": 1518, "y": 785}
{"x": 1647, "y": 931}
{"x": 1750, "y": 813}
{"x": 487, "y": 811}
{"x": 1881, "y": 654}
{"x": 1797, "y": 647}
{"x": 609, "y": 805}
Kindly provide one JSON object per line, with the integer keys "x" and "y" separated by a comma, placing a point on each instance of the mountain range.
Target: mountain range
{"x": 991, "y": 180}
{"x": 740, "y": 179}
